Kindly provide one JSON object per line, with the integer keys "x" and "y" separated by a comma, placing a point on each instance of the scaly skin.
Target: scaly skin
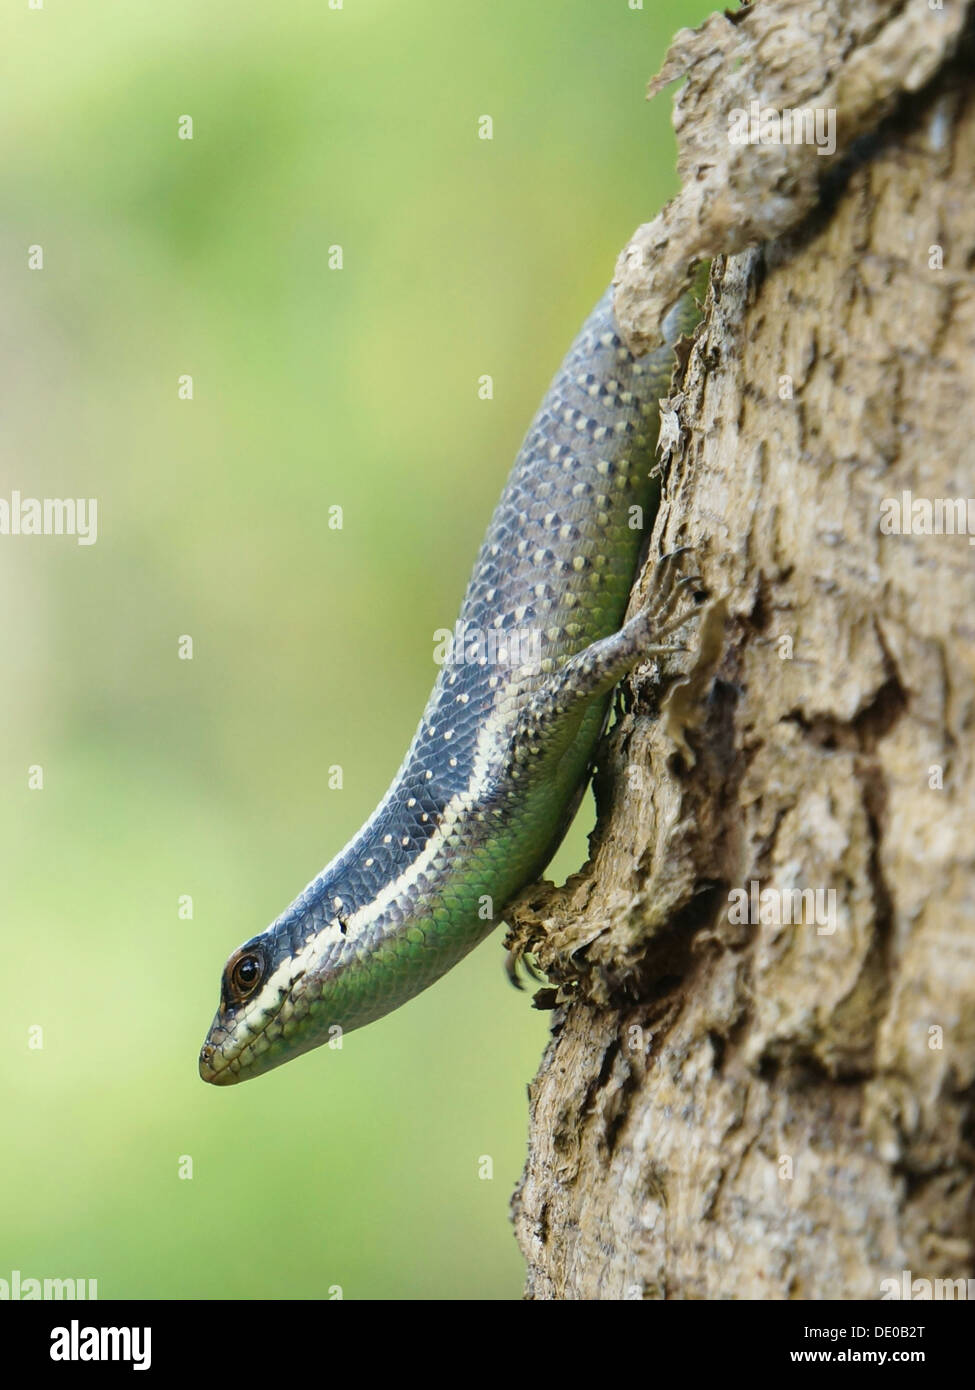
{"x": 503, "y": 751}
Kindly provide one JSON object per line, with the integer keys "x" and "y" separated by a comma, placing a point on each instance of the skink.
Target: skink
{"x": 503, "y": 751}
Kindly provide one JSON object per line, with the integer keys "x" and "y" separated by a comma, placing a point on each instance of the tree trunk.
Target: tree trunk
{"x": 735, "y": 1103}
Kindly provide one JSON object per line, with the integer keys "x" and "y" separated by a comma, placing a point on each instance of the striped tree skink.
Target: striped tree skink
{"x": 503, "y": 751}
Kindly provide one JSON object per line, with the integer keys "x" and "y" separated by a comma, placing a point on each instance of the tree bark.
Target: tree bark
{"x": 733, "y": 1105}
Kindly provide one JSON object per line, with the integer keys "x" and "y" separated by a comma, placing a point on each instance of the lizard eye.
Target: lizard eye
{"x": 244, "y": 976}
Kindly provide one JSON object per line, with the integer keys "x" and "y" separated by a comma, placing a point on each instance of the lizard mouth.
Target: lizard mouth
{"x": 215, "y": 1066}
{"x": 219, "y": 1066}
{"x": 220, "y": 1069}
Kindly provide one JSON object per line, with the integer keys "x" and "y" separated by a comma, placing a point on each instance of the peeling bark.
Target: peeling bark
{"x": 746, "y": 1108}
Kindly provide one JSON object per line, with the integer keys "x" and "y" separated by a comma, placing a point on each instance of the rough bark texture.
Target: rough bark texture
{"x": 752, "y": 1109}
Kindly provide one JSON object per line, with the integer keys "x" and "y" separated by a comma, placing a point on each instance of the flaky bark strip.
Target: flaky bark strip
{"x": 853, "y": 58}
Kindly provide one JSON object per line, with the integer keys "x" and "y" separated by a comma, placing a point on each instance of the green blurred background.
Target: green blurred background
{"x": 312, "y": 387}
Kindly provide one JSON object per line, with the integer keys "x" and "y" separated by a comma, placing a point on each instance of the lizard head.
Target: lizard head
{"x": 261, "y": 1002}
